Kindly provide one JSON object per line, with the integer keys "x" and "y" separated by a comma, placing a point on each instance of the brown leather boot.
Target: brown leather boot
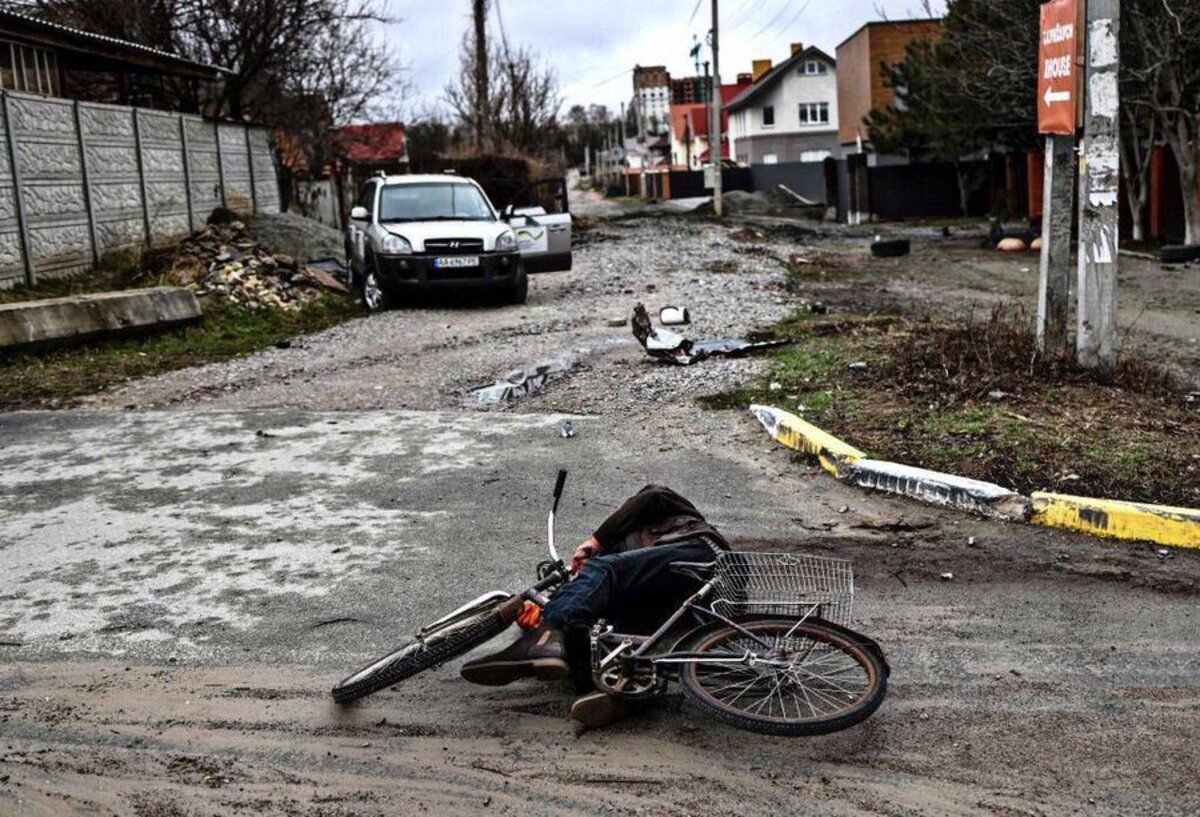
{"x": 598, "y": 709}
{"x": 539, "y": 653}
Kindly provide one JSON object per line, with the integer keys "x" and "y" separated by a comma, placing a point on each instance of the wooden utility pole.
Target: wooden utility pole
{"x": 714, "y": 131}
{"x": 481, "y": 72}
{"x": 1054, "y": 282}
{"x": 1099, "y": 179}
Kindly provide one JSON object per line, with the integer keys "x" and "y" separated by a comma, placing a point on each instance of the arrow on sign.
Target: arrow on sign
{"x": 1056, "y": 96}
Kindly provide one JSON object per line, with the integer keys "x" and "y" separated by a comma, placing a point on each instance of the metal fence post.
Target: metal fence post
{"x": 250, "y": 167}
{"x": 220, "y": 164}
{"x": 187, "y": 174}
{"x": 137, "y": 148}
{"x": 87, "y": 186}
{"x": 18, "y": 197}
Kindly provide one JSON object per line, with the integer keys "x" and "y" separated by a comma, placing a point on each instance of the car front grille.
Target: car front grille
{"x": 454, "y": 246}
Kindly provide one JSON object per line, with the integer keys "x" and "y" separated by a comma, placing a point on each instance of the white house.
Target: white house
{"x": 790, "y": 114}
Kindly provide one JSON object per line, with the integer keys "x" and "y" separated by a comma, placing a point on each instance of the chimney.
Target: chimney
{"x": 797, "y": 48}
{"x": 745, "y": 79}
{"x": 760, "y": 67}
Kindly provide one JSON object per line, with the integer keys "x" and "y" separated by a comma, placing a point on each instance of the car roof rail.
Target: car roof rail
{"x": 449, "y": 172}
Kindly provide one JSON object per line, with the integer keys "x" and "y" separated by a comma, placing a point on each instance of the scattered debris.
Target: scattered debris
{"x": 667, "y": 345}
{"x": 748, "y": 235}
{"x": 615, "y": 322}
{"x": 890, "y": 248}
{"x": 858, "y": 366}
{"x": 947, "y": 577}
{"x": 785, "y": 192}
{"x": 674, "y": 316}
{"x": 520, "y": 383}
{"x": 567, "y": 431}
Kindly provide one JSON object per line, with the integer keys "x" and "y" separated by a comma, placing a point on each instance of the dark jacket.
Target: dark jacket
{"x": 654, "y": 516}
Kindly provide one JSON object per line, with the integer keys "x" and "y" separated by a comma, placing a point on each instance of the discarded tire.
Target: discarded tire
{"x": 892, "y": 248}
{"x": 1180, "y": 254}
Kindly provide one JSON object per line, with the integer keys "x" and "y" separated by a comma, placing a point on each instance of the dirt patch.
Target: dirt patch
{"x": 977, "y": 399}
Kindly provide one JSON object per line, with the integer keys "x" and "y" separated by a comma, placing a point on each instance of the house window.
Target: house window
{"x": 814, "y": 113}
{"x": 814, "y": 67}
{"x": 770, "y": 158}
{"x": 768, "y": 115}
{"x": 27, "y": 68}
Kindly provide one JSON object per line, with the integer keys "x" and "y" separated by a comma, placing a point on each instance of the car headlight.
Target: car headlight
{"x": 395, "y": 245}
{"x": 506, "y": 241}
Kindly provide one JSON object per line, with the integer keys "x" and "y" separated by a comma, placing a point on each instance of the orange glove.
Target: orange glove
{"x": 530, "y": 616}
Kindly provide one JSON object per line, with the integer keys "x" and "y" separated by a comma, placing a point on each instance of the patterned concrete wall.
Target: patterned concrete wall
{"x": 93, "y": 178}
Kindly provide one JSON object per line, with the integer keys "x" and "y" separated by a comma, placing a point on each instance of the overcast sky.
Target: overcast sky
{"x": 593, "y": 45}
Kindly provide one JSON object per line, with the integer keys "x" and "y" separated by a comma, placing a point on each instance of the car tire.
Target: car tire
{"x": 1179, "y": 254}
{"x": 891, "y": 248}
{"x": 517, "y": 294}
{"x": 375, "y": 297}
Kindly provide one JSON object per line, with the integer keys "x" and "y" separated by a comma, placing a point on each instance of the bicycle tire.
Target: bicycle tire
{"x": 864, "y": 653}
{"x": 416, "y": 657}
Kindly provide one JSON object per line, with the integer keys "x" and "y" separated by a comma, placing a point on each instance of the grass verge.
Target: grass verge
{"x": 57, "y": 377}
{"x": 976, "y": 399}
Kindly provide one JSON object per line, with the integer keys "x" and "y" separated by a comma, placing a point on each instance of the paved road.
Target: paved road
{"x": 179, "y": 588}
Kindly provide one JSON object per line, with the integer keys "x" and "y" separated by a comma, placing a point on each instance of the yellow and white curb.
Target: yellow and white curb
{"x": 1178, "y": 527}
{"x": 1161, "y": 524}
{"x": 792, "y": 432}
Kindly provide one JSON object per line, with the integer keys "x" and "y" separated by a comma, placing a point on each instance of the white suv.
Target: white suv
{"x": 422, "y": 233}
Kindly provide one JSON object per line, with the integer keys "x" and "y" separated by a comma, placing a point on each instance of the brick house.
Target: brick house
{"x": 860, "y": 77}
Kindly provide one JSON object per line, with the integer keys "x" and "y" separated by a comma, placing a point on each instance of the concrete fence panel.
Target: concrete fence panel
{"x": 80, "y": 179}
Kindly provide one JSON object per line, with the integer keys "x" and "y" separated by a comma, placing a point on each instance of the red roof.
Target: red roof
{"x": 377, "y": 142}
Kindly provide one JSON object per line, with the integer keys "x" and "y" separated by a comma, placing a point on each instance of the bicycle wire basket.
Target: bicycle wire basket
{"x": 783, "y": 584}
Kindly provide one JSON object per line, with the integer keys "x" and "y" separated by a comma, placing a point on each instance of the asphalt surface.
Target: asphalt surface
{"x": 179, "y": 588}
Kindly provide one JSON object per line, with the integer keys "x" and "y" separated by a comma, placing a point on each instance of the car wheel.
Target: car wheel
{"x": 519, "y": 292}
{"x": 375, "y": 297}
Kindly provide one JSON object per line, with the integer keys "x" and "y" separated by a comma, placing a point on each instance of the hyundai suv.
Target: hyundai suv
{"x": 423, "y": 233}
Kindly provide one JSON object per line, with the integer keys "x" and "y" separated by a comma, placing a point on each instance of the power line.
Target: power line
{"x": 695, "y": 10}
{"x": 795, "y": 17}
{"x": 606, "y": 81}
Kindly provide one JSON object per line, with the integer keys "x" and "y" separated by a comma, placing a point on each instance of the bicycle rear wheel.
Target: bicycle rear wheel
{"x": 419, "y": 656}
{"x": 811, "y": 679}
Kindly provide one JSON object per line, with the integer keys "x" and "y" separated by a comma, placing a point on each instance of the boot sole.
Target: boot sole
{"x": 502, "y": 673}
{"x": 598, "y": 709}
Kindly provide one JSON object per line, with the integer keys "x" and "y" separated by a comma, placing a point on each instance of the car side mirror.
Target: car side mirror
{"x": 359, "y": 213}
{"x": 674, "y": 316}
{"x": 507, "y": 213}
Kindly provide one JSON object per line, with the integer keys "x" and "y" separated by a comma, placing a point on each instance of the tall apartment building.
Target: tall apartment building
{"x": 652, "y": 99}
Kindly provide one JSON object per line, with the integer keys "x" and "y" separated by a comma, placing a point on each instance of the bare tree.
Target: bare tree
{"x": 1165, "y": 32}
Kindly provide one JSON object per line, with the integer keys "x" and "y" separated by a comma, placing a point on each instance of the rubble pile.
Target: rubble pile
{"x": 223, "y": 262}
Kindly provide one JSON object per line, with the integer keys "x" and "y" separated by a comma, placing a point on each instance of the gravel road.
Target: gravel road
{"x": 182, "y": 583}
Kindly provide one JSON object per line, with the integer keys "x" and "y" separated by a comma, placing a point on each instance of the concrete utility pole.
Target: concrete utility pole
{"x": 481, "y": 75}
{"x": 624, "y": 170}
{"x": 1099, "y": 179}
{"x": 714, "y": 131}
{"x": 1054, "y": 282}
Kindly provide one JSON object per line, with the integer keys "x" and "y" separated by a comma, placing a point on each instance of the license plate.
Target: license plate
{"x": 456, "y": 261}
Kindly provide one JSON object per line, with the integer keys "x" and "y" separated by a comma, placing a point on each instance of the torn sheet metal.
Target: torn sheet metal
{"x": 937, "y": 488}
{"x": 664, "y": 344}
{"x": 519, "y": 384}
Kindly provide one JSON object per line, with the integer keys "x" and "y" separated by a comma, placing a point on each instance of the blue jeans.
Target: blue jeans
{"x": 636, "y": 588}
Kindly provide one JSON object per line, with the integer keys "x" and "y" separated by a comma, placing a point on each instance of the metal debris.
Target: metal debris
{"x": 664, "y": 344}
{"x": 520, "y": 383}
{"x": 567, "y": 431}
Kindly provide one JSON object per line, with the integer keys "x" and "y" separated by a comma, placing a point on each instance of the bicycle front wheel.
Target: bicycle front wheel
{"x": 809, "y": 679}
{"x": 419, "y": 656}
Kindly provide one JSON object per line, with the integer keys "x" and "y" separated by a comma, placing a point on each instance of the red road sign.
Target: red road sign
{"x": 1057, "y": 51}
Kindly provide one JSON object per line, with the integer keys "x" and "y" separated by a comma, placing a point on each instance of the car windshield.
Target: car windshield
{"x": 434, "y": 202}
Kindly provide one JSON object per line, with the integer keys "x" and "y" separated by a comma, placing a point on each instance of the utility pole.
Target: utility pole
{"x": 707, "y": 89}
{"x": 481, "y": 73}
{"x": 624, "y": 170}
{"x": 714, "y": 149}
{"x": 1054, "y": 280}
{"x": 1100, "y": 171}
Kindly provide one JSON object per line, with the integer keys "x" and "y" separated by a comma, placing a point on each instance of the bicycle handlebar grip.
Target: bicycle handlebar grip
{"x": 558, "y": 486}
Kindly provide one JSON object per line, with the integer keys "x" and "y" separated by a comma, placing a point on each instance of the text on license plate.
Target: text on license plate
{"x": 456, "y": 261}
